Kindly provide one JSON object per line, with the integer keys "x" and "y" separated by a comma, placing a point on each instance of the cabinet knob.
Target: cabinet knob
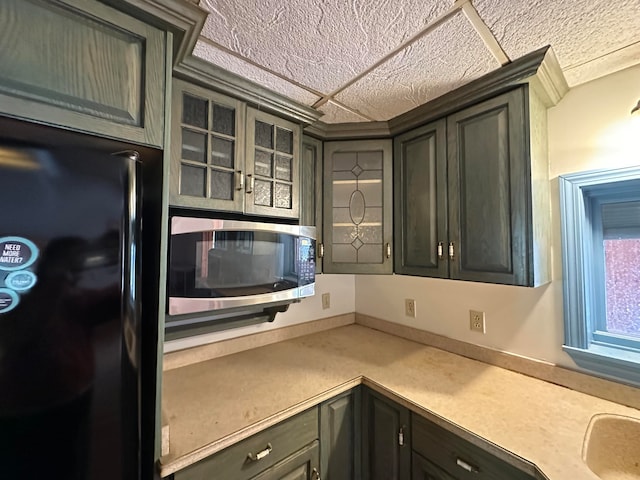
{"x": 261, "y": 454}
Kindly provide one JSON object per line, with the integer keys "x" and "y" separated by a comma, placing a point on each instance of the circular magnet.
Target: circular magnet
{"x": 17, "y": 253}
{"x": 21, "y": 280}
{"x": 8, "y": 300}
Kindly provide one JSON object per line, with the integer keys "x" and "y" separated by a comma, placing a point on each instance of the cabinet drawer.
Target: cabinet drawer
{"x": 423, "y": 469}
{"x": 267, "y": 448}
{"x": 302, "y": 465}
{"x": 458, "y": 457}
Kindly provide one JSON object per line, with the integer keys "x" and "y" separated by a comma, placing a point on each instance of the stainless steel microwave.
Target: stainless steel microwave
{"x": 220, "y": 264}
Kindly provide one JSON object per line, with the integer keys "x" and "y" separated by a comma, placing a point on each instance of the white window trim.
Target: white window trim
{"x": 582, "y": 280}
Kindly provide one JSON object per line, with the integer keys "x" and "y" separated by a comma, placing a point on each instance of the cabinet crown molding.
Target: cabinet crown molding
{"x": 184, "y": 19}
{"x": 539, "y": 69}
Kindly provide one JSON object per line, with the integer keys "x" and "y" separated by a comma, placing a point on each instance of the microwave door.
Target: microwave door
{"x": 244, "y": 264}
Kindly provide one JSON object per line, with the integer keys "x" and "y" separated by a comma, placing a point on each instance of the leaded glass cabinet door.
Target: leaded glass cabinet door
{"x": 358, "y": 227}
{"x": 273, "y": 156}
{"x": 207, "y": 145}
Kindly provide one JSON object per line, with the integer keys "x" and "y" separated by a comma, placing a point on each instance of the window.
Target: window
{"x": 601, "y": 260}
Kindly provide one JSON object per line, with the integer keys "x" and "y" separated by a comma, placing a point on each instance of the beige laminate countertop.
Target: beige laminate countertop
{"x": 213, "y": 404}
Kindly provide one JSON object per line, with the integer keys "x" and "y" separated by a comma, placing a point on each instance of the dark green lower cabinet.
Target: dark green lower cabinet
{"x": 423, "y": 469}
{"x": 271, "y": 451}
{"x": 340, "y": 436}
{"x": 358, "y": 435}
{"x": 454, "y": 457}
{"x": 386, "y": 450}
{"x": 302, "y": 465}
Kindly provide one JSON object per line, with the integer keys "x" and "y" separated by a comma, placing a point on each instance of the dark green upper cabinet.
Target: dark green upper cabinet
{"x": 489, "y": 183}
{"x": 358, "y": 207}
{"x": 476, "y": 205}
{"x": 420, "y": 199}
{"x": 272, "y": 163}
{"x": 207, "y": 149}
{"x": 311, "y": 190}
{"x": 228, "y": 157}
{"x": 83, "y": 65}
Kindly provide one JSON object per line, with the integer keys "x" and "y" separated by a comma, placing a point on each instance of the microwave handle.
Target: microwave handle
{"x": 239, "y": 180}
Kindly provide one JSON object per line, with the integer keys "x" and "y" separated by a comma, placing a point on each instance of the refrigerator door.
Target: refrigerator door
{"x": 69, "y": 314}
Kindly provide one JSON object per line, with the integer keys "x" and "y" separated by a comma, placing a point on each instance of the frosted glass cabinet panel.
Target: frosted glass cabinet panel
{"x": 357, "y": 195}
{"x": 228, "y": 157}
{"x": 207, "y": 149}
{"x": 273, "y": 151}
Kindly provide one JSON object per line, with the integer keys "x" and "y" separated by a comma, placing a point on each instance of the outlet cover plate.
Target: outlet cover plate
{"x": 476, "y": 321}
{"x": 326, "y": 301}
{"x": 410, "y": 307}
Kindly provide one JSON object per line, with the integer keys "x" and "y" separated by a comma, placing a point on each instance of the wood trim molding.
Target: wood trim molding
{"x": 539, "y": 69}
{"x": 520, "y": 71}
{"x": 203, "y": 73}
{"x": 549, "y": 82}
{"x": 183, "y": 19}
{"x": 349, "y": 131}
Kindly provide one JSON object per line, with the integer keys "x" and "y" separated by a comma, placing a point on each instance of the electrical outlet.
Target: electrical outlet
{"x": 410, "y": 307}
{"x": 326, "y": 301}
{"x": 476, "y": 321}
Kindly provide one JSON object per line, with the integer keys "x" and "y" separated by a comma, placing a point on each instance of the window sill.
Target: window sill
{"x": 608, "y": 362}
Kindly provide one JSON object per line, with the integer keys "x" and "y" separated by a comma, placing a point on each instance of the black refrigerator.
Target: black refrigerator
{"x": 74, "y": 399}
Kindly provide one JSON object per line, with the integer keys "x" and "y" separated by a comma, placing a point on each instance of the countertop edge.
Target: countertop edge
{"x": 218, "y": 445}
{"x": 205, "y": 451}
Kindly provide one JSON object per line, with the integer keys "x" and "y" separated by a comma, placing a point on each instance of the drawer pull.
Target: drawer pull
{"x": 260, "y": 455}
{"x": 466, "y": 466}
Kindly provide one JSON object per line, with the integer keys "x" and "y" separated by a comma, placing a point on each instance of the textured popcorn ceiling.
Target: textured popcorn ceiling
{"x": 363, "y": 60}
{"x": 580, "y": 31}
{"x": 336, "y": 113}
{"x": 422, "y": 71}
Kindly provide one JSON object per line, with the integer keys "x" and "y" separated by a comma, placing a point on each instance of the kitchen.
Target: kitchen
{"x": 589, "y": 128}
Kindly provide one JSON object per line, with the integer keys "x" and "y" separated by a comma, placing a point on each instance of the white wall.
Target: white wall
{"x": 590, "y": 128}
{"x": 340, "y": 287}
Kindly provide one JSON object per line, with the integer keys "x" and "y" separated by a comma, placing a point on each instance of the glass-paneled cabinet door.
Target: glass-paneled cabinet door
{"x": 358, "y": 207}
{"x": 206, "y": 149}
{"x": 272, "y": 163}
